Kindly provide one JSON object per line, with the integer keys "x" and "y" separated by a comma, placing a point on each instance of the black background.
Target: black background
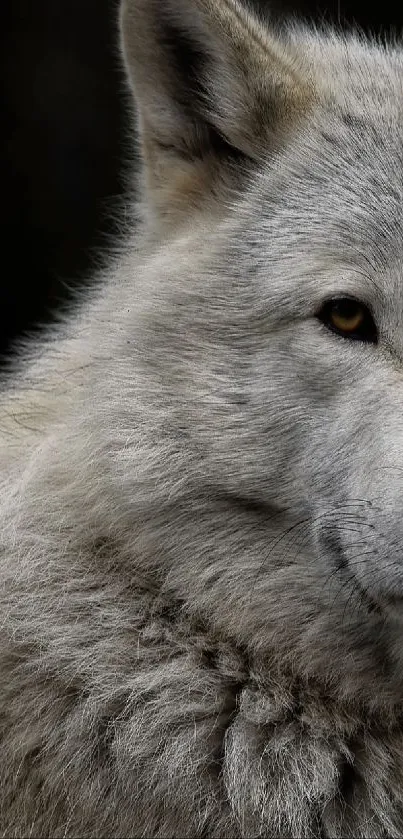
{"x": 63, "y": 142}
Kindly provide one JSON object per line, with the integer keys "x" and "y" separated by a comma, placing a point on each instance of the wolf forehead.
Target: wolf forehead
{"x": 339, "y": 181}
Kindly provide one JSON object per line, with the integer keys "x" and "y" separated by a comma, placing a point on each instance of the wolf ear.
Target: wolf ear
{"x": 211, "y": 84}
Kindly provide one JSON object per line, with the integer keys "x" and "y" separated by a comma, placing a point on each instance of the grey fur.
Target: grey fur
{"x": 202, "y": 488}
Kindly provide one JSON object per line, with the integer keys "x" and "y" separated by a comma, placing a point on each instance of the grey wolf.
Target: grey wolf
{"x": 202, "y": 470}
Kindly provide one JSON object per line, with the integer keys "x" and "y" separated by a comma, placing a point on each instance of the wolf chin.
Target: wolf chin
{"x": 201, "y": 522}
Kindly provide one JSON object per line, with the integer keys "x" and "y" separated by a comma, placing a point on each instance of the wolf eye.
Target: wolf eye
{"x": 350, "y": 319}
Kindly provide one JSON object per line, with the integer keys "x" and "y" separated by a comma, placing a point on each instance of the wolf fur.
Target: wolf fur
{"x": 202, "y": 487}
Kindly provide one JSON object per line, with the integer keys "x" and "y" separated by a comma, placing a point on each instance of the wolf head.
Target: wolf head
{"x": 260, "y": 372}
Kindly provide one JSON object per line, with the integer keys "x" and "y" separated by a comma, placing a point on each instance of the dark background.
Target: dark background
{"x": 63, "y": 142}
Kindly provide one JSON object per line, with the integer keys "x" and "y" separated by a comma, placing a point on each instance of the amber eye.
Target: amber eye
{"x": 349, "y": 318}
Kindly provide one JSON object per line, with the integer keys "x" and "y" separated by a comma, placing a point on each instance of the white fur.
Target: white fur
{"x": 181, "y": 654}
